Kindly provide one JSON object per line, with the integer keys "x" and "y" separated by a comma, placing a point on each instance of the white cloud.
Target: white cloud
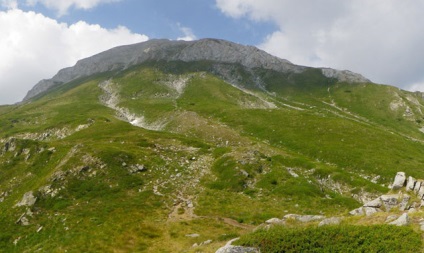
{"x": 381, "y": 39}
{"x": 188, "y": 34}
{"x": 62, "y": 6}
{"x": 33, "y": 47}
{"x": 9, "y": 4}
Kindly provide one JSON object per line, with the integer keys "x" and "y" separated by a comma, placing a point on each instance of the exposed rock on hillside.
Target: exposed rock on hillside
{"x": 213, "y": 50}
{"x": 400, "y": 200}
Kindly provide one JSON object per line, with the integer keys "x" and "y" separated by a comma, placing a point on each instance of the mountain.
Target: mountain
{"x": 172, "y": 146}
{"x": 219, "y": 51}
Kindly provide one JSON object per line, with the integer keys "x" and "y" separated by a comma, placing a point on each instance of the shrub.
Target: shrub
{"x": 343, "y": 238}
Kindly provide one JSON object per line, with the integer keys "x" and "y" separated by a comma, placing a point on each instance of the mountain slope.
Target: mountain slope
{"x": 190, "y": 145}
{"x": 121, "y": 58}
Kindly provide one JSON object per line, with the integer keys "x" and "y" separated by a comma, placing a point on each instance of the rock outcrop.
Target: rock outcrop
{"x": 237, "y": 249}
{"x": 403, "y": 220}
{"x": 399, "y": 181}
{"x": 401, "y": 200}
{"x": 212, "y": 50}
{"x": 27, "y": 200}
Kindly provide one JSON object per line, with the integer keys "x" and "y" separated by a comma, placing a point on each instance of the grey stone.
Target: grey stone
{"x": 403, "y": 220}
{"x": 236, "y": 249}
{"x": 403, "y": 205}
{"x": 137, "y": 168}
{"x": 27, "y": 200}
{"x": 206, "y": 242}
{"x": 192, "y": 235}
{"x": 304, "y": 218}
{"x": 410, "y": 183}
{"x": 399, "y": 181}
{"x": 357, "y": 212}
{"x": 275, "y": 221}
{"x": 23, "y": 220}
{"x": 330, "y": 221}
{"x": 389, "y": 201}
{"x": 420, "y": 193}
{"x": 417, "y": 186}
{"x": 376, "y": 203}
{"x": 391, "y": 218}
{"x": 371, "y": 210}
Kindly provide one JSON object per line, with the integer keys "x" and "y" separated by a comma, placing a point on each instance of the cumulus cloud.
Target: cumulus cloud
{"x": 9, "y": 4}
{"x": 34, "y": 47}
{"x": 188, "y": 34}
{"x": 62, "y": 6}
{"x": 380, "y": 39}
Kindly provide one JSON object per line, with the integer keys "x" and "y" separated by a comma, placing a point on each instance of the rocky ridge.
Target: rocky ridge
{"x": 214, "y": 50}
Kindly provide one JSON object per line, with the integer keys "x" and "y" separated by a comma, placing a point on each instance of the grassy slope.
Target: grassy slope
{"x": 239, "y": 170}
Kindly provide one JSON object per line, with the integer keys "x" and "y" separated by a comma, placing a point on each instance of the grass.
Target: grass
{"x": 232, "y": 160}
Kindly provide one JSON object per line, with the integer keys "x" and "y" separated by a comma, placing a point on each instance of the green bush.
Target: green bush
{"x": 343, "y": 238}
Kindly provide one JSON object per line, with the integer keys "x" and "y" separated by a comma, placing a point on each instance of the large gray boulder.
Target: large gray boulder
{"x": 403, "y": 220}
{"x": 389, "y": 201}
{"x": 404, "y": 203}
{"x": 399, "y": 181}
{"x": 376, "y": 203}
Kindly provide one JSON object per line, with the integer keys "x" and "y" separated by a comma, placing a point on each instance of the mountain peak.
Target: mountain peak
{"x": 215, "y": 50}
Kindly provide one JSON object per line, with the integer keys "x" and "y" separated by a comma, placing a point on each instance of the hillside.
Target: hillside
{"x": 158, "y": 146}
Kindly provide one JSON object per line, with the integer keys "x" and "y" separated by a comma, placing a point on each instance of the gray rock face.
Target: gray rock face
{"x": 275, "y": 221}
{"x": 357, "y": 212}
{"x": 344, "y": 75}
{"x": 410, "y": 184}
{"x": 304, "y": 218}
{"x": 27, "y": 200}
{"x": 214, "y": 50}
{"x": 399, "y": 181}
{"x": 330, "y": 221}
{"x": 403, "y": 220}
{"x": 376, "y": 203}
{"x": 389, "y": 201}
{"x": 371, "y": 210}
{"x": 236, "y": 249}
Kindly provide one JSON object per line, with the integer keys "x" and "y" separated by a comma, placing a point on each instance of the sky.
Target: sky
{"x": 380, "y": 39}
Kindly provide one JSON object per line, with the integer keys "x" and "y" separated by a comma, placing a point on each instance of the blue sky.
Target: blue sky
{"x": 381, "y": 39}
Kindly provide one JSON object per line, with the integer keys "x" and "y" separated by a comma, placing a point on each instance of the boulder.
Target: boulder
{"x": 357, "y": 212}
{"x": 389, "y": 201}
{"x": 236, "y": 249}
{"x": 403, "y": 220}
{"x": 304, "y": 218}
{"x": 275, "y": 221}
{"x": 417, "y": 186}
{"x": 403, "y": 205}
{"x": 410, "y": 183}
{"x": 420, "y": 193}
{"x": 27, "y": 200}
{"x": 399, "y": 181}
{"x": 391, "y": 218}
{"x": 376, "y": 203}
{"x": 330, "y": 221}
{"x": 371, "y": 210}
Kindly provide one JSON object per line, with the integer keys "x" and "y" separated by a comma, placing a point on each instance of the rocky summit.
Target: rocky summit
{"x": 214, "y": 50}
{"x": 210, "y": 146}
